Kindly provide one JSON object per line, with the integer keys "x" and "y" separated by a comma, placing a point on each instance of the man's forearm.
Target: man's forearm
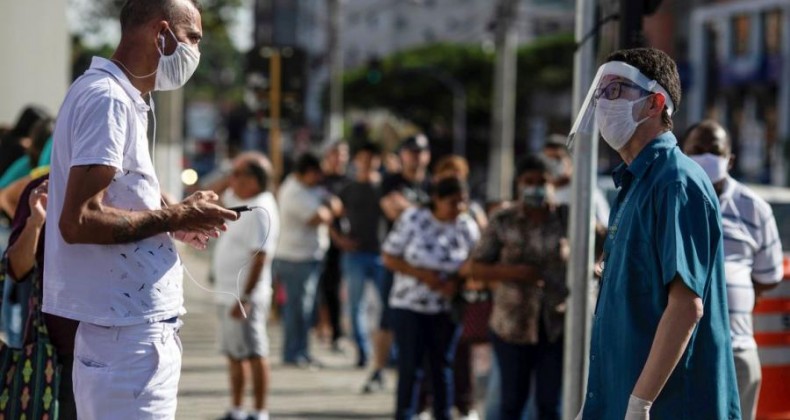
{"x": 254, "y": 276}
{"x": 760, "y": 288}
{"x": 670, "y": 341}
{"x": 113, "y": 226}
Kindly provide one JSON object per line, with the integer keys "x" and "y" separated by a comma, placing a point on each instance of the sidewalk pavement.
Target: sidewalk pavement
{"x": 330, "y": 393}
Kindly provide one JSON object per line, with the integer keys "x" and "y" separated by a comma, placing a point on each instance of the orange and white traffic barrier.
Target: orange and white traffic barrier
{"x": 772, "y": 333}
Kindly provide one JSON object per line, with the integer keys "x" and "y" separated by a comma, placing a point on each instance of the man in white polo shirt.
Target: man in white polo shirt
{"x": 242, "y": 265}
{"x": 752, "y": 251}
{"x": 110, "y": 259}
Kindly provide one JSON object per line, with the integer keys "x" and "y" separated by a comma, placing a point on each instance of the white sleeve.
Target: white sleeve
{"x": 300, "y": 204}
{"x": 269, "y": 233}
{"x": 101, "y": 132}
{"x": 768, "y": 267}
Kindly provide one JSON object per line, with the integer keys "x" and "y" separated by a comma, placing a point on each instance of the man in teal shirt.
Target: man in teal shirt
{"x": 660, "y": 341}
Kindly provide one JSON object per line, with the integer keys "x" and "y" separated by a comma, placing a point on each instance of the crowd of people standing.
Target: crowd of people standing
{"x": 685, "y": 252}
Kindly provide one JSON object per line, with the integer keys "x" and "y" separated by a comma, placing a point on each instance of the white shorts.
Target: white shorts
{"x": 127, "y": 372}
{"x": 243, "y": 338}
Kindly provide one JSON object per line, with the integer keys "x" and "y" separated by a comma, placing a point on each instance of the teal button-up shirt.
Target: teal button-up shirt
{"x": 665, "y": 224}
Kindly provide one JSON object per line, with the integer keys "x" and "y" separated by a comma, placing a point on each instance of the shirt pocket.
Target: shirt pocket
{"x": 636, "y": 269}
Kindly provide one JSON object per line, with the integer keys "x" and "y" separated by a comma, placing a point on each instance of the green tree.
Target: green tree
{"x": 403, "y": 84}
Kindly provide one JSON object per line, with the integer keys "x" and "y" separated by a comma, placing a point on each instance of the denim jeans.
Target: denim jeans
{"x": 421, "y": 338}
{"x": 493, "y": 401}
{"x": 15, "y": 310}
{"x": 517, "y": 363}
{"x": 359, "y": 268}
{"x": 300, "y": 280}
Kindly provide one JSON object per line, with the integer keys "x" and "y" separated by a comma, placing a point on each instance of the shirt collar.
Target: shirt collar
{"x": 645, "y": 158}
{"x": 729, "y": 189}
{"x": 105, "y": 65}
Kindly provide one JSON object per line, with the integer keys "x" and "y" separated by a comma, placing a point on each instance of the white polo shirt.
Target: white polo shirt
{"x": 255, "y": 231}
{"x": 300, "y": 241}
{"x": 104, "y": 121}
{"x": 752, "y": 252}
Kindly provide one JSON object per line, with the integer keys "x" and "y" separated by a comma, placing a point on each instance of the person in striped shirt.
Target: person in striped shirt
{"x": 752, "y": 250}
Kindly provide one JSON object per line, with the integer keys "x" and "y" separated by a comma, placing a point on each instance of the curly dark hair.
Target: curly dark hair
{"x": 656, "y": 65}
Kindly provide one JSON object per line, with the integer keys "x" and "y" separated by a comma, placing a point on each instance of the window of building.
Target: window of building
{"x": 773, "y": 31}
{"x": 353, "y": 18}
{"x": 372, "y": 19}
{"x": 428, "y": 35}
{"x": 453, "y": 24}
{"x": 401, "y": 23}
{"x": 741, "y": 34}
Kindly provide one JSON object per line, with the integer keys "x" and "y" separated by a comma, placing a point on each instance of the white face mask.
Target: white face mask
{"x": 715, "y": 166}
{"x": 533, "y": 196}
{"x": 175, "y": 69}
{"x": 615, "y": 119}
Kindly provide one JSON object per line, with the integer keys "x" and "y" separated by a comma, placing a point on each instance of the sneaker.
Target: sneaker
{"x": 471, "y": 415}
{"x": 258, "y": 416}
{"x": 374, "y": 383}
{"x": 231, "y": 415}
{"x": 336, "y": 348}
{"x": 310, "y": 363}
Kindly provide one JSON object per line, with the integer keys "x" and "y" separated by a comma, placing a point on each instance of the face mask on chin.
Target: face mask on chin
{"x": 615, "y": 119}
{"x": 174, "y": 70}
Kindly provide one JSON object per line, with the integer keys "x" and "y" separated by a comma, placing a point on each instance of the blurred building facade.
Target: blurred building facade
{"x": 739, "y": 74}
{"x": 35, "y": 51}
{"x": 734, "y": 62}
{"x": 377, "y": 28}
{"x": 371, "y": 29}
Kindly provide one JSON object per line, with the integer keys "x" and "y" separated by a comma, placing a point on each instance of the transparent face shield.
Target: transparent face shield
{"x": 584, "y": 126}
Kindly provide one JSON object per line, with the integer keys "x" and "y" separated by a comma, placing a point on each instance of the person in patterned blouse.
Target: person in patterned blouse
{"x": 524, "y": 250}
{"x": 426, "y": 249}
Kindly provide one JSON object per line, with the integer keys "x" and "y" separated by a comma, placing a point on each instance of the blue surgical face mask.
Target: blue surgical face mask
{"x": 534, "y": 196}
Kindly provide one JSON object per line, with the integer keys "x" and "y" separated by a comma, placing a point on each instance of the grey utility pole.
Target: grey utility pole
{"x": 335, "y": 52}
{"x": 503, "y": 108}
{"x": 168, "y": 150}
{"x": 580, "y": 266}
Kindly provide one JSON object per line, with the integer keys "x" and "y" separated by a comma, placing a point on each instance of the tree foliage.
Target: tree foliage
{"x": 407, "y": 88}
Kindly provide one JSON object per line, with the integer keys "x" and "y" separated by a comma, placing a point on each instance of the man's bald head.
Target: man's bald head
{"x": 707, "y": 136}
{"x": 139, "y": 12}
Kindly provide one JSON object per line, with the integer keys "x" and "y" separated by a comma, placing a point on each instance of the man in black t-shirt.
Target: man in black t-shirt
{"x": 361, "y": 236}
{"x": 398, "y": 192}
{"x": 333, "y": 165}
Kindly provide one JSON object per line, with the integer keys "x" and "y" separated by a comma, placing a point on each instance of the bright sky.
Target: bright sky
{"x": 110, "y": 32}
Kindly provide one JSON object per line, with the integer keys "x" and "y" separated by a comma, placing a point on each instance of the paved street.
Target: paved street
{"x": 331, "y": 393}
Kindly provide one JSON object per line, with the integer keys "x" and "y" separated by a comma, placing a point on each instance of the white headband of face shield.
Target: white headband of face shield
{"x": 625, "y": 70}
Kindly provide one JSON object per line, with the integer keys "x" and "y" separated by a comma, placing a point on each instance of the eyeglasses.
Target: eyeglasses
{"x": 614, "y": 89}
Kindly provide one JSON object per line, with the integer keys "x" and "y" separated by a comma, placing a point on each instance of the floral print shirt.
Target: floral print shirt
{"x": 519, "y": 307}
